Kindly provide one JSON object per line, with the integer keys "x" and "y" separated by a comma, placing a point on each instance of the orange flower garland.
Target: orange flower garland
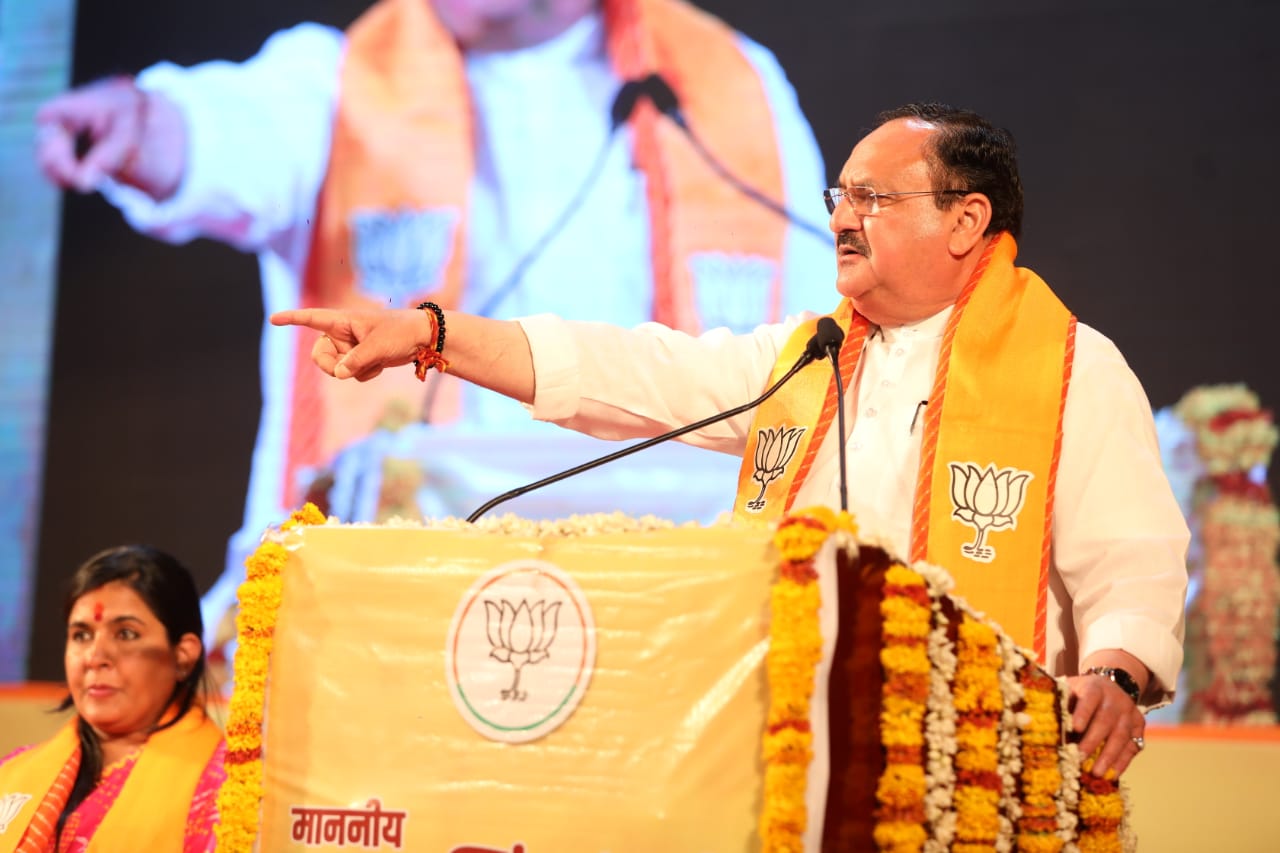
{"x": 907, "y": 617}
{"x": 978, "y": 706}
{"x": 1101, "y": 811}
{"x": 1041, "y": 778}
{"x": 259, "y": 596}
{"x": 795, "y": 648}
{"x": 947, "y": 719}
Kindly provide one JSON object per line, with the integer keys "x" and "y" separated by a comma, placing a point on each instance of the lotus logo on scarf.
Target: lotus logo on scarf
{"x": 986, "y": 500}
{"x": 520, "y": 651}
{"x": 520, "y": 636}
{"x": 10, "y": 805}
{"x": 401, "y": 253}
{"x": 774, "y": 449}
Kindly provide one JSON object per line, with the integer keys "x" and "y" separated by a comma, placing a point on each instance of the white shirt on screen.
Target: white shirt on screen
{"x": 258, "y": 144}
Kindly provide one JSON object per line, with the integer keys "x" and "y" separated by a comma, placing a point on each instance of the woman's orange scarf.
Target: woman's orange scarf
{"x": 150, "y": 812}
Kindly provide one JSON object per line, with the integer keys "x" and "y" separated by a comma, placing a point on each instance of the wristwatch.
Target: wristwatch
{"x": 1123, "y": 680}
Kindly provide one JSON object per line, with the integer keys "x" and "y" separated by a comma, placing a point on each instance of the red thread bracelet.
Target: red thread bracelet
{"x": 424, "y": 357}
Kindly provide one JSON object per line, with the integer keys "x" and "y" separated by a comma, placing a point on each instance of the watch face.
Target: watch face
{"x": 1123, "y": 680}
{"x": 1126, "y": 682}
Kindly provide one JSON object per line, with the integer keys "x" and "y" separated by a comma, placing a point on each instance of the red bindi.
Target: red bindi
{"x": 97, "y": 611}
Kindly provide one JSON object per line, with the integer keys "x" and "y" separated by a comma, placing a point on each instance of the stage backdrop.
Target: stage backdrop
{"x": 1147, "y": 156}
{"x": 35, "y": 63}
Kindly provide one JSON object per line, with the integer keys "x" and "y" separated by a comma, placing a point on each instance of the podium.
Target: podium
{"x": 608, "y": 684}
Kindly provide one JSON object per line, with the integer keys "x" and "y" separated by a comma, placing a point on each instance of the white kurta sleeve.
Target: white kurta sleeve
{"x": 258, "y": 142}
{"x": 1120, "y": 540}
{"x": 617, "y": 383}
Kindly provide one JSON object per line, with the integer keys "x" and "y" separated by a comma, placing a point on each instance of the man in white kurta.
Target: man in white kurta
{"x": 923, "y": 200}
{"x": 1117, "y": 576}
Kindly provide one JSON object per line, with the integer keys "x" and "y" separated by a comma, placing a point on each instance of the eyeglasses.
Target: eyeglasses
{"x": 866, "y": 201}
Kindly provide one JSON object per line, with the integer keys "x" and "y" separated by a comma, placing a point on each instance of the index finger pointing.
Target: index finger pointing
{"x": 55, "y": 153}
{"x": 321, "y": 319}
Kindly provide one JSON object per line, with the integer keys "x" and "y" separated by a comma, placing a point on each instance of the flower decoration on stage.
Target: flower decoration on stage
{"x": 1102, "y": 810}
{"x": 906, "y": 617}
{"x": 1233, "y": 433}
{"x": 1232, "y": 619}
{"x": 260, "y": 596}
{"x": 795, "y": 648}
{"x": 1041, "y": 777}
{"x": 979, "y": 703}
{"x": 971, "y": 729}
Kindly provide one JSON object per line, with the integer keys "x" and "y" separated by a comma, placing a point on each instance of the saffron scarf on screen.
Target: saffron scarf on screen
{"x": 403, "y": 145}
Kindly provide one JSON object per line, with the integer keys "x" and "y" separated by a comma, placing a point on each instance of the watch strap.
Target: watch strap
{"x": 1122, "y": 679}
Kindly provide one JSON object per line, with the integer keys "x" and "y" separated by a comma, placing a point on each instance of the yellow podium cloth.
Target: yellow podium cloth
{"x": 389, "y": 699}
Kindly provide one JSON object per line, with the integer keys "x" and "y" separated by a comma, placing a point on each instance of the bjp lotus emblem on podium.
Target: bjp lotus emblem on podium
{"x": 986, "y": 500}
{"x": 521, "y": 636}
{"x": 774, "y": 449}
{"x": 520, "y": 651}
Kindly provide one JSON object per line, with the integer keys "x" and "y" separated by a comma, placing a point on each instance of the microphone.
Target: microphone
{"x": 624, "y": 104}
{"x": 815, "y": 349}
{"x": 832, "y": 336}
{"x": 663, "y": 98}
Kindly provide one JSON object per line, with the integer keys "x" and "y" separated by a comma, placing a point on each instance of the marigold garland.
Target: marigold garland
{"x": 1041, "y": 779}
{"x": 948, "y": 781}
{"x": 978, "y": 706}
{"x": 1009, "y": 750}
{"x": 260, "y": 595}
{"x": 795, "y": 648}
{"x": 1101, "y": 811}
{"x": 906, "y": 614}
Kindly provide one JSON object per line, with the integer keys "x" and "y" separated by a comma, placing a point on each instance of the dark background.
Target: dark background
{"x": 1147, "y": 133}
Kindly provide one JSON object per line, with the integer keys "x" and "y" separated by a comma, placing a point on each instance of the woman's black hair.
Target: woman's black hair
{"x": 165, "y": 585}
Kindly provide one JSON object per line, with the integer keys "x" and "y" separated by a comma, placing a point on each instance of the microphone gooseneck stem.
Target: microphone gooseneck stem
{"x": 665, "y": 100}
{"x": 844, "y": 474}
{"x": 649, "y": 442}
{"x": 512, "y": 281}
{"x": 516, "y": 275}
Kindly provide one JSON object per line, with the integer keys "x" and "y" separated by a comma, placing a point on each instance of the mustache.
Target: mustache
{"x": 853, "y": 240}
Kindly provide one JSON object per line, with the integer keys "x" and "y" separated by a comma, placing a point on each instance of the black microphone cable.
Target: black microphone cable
{"x": 624, "y": 103}
{"x": 815, "y": 349}
{"x": 664, "y": 99}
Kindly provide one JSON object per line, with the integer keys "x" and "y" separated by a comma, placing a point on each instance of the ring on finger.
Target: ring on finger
{"x": 1140, "y": 742}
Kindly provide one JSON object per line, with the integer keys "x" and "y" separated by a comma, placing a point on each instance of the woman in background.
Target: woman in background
{"x": 139, "y": 765}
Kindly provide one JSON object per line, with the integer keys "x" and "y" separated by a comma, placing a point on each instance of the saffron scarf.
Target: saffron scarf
{"x": 992, "y": 434}
{"x": 150, "y": 812}
{"x": 403, "y": 145}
